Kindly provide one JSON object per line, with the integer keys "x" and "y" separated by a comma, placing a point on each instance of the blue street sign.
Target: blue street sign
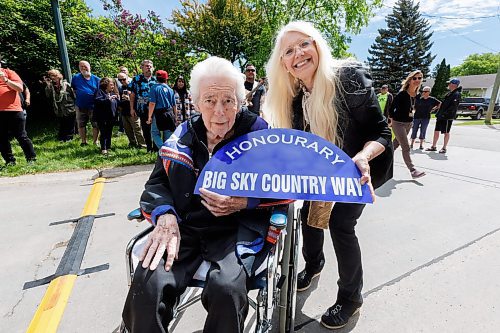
{"x": 284, "y": 164}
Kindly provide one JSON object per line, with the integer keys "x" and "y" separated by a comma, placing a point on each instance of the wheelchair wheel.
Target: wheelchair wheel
{"x": 289, "y": 269}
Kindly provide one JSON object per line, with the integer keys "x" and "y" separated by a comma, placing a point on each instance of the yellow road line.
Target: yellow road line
{"x": 50, "y": 310}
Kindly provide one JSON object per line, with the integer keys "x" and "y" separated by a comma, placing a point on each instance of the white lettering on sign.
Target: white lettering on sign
{"x": 293, "y": 184}
{"x": 236, "y": 150}
{"x": 214, "y": 180}
{"x": 243, "y": 181}
{"x": 346, "y": 186}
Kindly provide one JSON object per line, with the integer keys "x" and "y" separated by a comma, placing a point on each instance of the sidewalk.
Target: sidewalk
{"x": 431, "y": 247}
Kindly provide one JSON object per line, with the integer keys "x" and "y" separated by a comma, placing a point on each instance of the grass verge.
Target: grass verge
{"x": 477, "y": 122}
{"x": 54, "y": 156}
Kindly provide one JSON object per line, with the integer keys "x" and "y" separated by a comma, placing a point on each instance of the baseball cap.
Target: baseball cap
{"x": 161, "y": 74}
{"x": 385, "y": 86}
{"x": 426, "y": 88}
{"x": 454, "y": 81}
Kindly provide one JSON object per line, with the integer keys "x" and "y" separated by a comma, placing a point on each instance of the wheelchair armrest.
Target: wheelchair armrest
{"x": 136, "y": 214}
{"x": 279, "y": 217}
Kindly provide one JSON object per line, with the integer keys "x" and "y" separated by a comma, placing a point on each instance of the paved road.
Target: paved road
{"x": 430, "y": 247}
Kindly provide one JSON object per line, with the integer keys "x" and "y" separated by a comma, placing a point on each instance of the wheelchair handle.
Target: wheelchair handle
{"x": 279, "y": 217}
{"x": 136, "y": 214}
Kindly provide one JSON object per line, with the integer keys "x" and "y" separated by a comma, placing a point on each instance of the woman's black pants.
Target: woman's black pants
{"x": 106, "y": 130}
{"x": 342, "y": 222}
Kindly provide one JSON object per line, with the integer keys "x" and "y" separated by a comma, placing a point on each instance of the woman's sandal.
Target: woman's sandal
{"x": 442, "y": 151}
{"x": 431, "y": 149}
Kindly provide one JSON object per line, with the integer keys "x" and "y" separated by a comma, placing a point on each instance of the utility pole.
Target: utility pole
{"x": 61, "y": 40}
{"x": 493, "y": 99}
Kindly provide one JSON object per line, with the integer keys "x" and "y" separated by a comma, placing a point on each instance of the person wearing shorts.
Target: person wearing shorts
{"x": 85, "y": 85}
{"x": 446, "y": 114}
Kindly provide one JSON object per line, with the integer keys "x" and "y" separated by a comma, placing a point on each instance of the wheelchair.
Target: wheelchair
{"x": 276, "y": 283}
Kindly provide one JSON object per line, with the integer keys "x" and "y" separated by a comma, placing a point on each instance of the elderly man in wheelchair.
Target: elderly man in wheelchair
{"x": 231, "y": 234}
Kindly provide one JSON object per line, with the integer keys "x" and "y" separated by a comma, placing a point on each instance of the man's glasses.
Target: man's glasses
{"x": 122, "y": 79}
{"x": 303, "y": 44}
{"x": 250, "y": 69}
{"x": 416, "y": 78}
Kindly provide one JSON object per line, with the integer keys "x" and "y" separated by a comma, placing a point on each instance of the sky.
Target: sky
{"x": 460, "y": 27}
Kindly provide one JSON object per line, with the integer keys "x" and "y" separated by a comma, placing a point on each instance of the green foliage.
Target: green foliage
{"x": 441, "y": 76}
{"x": 29, "y": 43}
{"x": 224, "y": 28}
{"x": 475, "y": 64}
{"x": 401, "y": 48}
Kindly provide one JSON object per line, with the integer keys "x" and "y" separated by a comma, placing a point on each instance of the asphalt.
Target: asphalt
{"x": 431, "y": 247}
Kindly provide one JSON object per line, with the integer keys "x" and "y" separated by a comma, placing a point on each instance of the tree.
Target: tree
{"x": 441, "y": 76}
{"x": 401, "y": 48}
{"x": 140, "y": 38}
{"x": 475, "y": 64}
{"x": 224, "y": 28}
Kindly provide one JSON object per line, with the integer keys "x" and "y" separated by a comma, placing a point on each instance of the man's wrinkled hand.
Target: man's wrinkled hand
{"x": 164, "y": 237}
{"x": 221, "y": 205}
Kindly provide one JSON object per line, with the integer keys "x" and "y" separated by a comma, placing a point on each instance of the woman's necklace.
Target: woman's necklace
{"x": 306, "y": 105}
{"x": 412, "y": 102}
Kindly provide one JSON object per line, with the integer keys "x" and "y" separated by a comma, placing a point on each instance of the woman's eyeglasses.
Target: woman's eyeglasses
{"x": 416, "y": 78}
{"x": 303, "y": 45}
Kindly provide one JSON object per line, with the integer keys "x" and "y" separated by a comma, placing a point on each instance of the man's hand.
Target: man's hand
{"x": 133, "y": 114}
{"x": 164, "y": 237}
{"x": 28, "y": 102}
{"x": 3, "y": 76}
{"x": 221, "y": 205}
{"x": 362, "y": 163}
{"x": 149, "y": 121}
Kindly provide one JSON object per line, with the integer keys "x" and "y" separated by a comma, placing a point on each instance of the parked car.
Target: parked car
{"x": 476, "y": 108}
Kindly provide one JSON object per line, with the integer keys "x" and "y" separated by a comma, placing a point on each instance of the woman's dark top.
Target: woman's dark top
{"x": 360, "y": 120}
{"x": 423, "y": 106}
{"x": 402, "y": 107}
{"x": 104, "y": 106}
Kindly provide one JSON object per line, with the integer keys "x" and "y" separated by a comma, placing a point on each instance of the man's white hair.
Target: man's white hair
{"x": 216, "y": 66}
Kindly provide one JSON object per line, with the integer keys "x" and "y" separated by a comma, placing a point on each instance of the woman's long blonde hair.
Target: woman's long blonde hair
{"x": 406, "y": 82}
{"x": 283, "y": 87}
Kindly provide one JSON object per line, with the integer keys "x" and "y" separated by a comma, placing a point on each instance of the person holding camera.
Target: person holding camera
{"x": 131, "y": 124}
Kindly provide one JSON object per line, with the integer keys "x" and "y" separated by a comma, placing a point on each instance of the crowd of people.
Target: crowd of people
{"x": 411, "y": 109}
{"x": 308, "y": 90}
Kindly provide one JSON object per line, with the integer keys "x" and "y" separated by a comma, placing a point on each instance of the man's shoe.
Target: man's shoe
{"x": 83, "y": 144}
{"x": 304, "y": 280}
{"x": 10, "y": 163}
{"x": 337, "y": 316}
{"x": 31, "y": 160}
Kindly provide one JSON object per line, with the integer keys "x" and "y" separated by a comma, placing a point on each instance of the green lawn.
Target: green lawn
{"x": 476, "y": 122}
{"x": 53, "y": 155}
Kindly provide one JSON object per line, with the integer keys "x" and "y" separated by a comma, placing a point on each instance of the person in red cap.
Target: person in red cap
{"x": 162, "y": 110}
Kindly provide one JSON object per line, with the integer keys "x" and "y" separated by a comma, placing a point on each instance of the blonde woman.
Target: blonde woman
{"x": 310, "y": 91}
{"x": 401, "y": 114}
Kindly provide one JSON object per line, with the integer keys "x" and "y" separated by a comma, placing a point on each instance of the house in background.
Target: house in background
{"x": 473, "y": 85}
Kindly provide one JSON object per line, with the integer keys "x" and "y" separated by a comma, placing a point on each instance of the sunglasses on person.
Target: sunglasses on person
{"x": 250, "y": 69}
{"x": 122, "y": 79}
{"x": 416, "y": 78}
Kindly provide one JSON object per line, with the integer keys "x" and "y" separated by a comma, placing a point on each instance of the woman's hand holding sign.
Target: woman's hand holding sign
{"x": 221, "y": 205}
{"x": 371, "y": 150}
